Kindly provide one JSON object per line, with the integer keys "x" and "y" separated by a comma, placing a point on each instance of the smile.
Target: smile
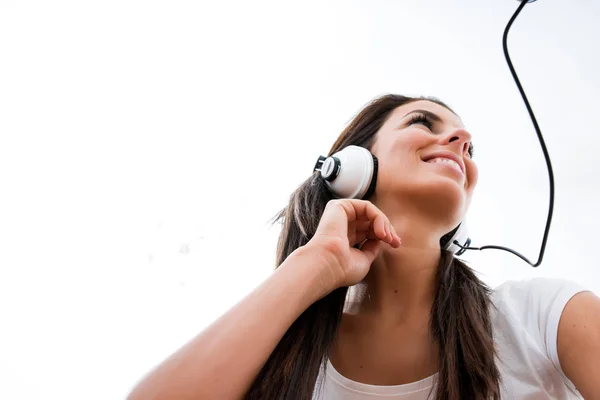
{"x": 447, "y": 162}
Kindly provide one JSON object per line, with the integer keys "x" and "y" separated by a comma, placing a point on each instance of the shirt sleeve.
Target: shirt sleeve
{"x": 540, "y": 303}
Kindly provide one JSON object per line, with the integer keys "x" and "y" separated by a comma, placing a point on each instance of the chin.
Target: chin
{"x": 444, "y": 199}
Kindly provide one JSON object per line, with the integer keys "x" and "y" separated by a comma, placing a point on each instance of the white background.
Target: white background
{"x": 145, "y": 145}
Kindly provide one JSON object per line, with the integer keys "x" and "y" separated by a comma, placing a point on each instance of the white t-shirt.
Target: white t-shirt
{"x": 525, "y": 324}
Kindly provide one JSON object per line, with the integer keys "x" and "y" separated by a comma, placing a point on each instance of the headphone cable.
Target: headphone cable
{"x": 542, "y": 143}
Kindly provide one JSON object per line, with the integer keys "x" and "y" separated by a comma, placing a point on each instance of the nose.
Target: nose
{"x": 459, "y": 140}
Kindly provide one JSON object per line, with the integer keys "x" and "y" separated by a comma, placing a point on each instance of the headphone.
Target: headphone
{"x": 351, "y": 173}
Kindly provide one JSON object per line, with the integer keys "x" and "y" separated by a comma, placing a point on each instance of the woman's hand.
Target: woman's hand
{"x": 345, "y": 224}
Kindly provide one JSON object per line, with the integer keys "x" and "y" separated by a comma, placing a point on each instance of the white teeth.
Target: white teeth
{"x": 446, "y": 161}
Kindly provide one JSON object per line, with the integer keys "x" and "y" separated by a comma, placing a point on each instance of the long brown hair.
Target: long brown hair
{"x": 460, "y": 320}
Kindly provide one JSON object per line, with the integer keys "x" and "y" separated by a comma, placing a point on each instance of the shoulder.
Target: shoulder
{"x": 530, "y": 294}
{"x": 535, "y": 302}
{"x": 579, "y": 342}
{"x": 533, "y": 307}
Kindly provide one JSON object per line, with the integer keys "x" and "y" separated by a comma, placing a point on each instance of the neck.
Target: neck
{"x": 400, "y": 286}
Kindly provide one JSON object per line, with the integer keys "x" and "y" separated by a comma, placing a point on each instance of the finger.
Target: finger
{"x": 370, "y": 234}
{"x": 389, "y": 235}
{"x": 371, "y": 249}
{"x": 358, "y": 228}
{"x": 362, "y": 225}
{"x": 365, "y": 208}
{"x": 378, "y": 222}
{"x": 396, "y": 239}
{"x": 359, "y": 209}
{"x": 379, "y": 227}
{"x": 339, "y": 212}
{"x": 358, "y": 237}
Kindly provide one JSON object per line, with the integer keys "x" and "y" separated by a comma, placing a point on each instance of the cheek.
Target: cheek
{"x": 406, "y": 148}
{"x": 472, "y": 173}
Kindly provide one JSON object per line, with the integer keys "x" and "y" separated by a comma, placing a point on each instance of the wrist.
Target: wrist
{"x": 316, "y": 268}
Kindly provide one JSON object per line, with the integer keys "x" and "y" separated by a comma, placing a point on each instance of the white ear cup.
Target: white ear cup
{"x": 349, "y": 172}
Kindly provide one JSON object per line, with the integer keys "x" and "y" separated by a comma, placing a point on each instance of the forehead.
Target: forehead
{"x": 448, "y": 117}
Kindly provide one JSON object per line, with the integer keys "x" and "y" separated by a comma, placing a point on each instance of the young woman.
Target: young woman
{"x": 420, "y": 323}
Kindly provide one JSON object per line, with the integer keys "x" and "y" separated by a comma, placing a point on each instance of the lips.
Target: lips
{"x": 449, "y": 155}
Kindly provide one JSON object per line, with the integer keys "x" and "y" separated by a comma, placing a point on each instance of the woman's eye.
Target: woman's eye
{"x": 421, "y": 119}
{"x": 425, "y": 120}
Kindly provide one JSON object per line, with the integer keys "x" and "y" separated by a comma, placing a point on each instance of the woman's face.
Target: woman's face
{"x": 414, "y": 148}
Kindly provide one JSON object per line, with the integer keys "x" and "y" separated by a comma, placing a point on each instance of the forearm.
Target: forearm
{"x": 223, "y": 360}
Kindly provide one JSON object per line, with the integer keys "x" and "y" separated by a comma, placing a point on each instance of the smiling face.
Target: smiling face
{"x": 424, "y": 155}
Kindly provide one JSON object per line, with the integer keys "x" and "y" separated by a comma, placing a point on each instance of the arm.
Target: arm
{"x": 579, "y": 343}
{"x": 223, "y": 361}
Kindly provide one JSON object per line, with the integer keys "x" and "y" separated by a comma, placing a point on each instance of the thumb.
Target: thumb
{"x": 371, "y": 249}
{"x": 334, "y": 220}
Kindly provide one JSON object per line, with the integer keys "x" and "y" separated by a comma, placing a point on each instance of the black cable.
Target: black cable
{"x": 542, "y": 143}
